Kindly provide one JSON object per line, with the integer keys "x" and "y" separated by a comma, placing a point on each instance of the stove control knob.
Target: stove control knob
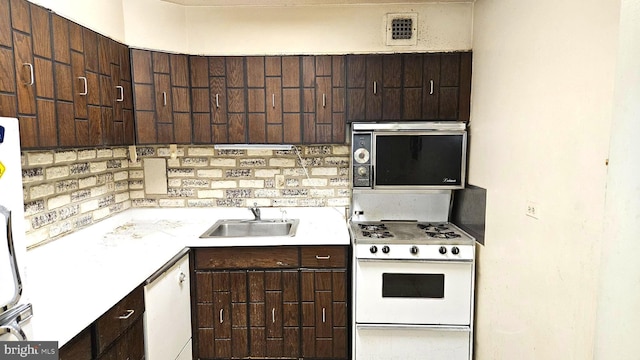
{"x": 455, "y": 250}
{"x": 442, "y": 250}
{"x": 385, "y": 249}
{"x": 373, "y": 249}
{"x": 414, "y": 250}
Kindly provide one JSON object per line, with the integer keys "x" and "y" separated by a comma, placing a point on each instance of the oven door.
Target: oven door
{"x": 415, "y": 342}
{"x": 413, "y": 292}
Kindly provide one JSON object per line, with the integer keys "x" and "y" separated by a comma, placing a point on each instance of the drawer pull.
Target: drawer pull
{"x": 217, "y": 101}
{"x": 126, "y": 315}
{"x": 164, "y": 98}
{"x": 273, "y": 315}
{"x": 324, "y": 100}
{"x": 318, "y": 257}
{"x": 375, "y": 88}
{"x": 324, "y": 315}
{"x": 280, "y": 263}
{"x": 221, "y": 316}
{"x": 430, "y": 87}
{"x": 273, "y": 101}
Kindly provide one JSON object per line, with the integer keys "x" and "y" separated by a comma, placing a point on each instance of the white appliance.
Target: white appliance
{"x": 15, "y": 311}
{"x": 167, "y": 316}
{"x": 413, "y": 290}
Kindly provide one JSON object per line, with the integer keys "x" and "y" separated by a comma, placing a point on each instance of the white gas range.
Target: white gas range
{"x": 413, "y": 290}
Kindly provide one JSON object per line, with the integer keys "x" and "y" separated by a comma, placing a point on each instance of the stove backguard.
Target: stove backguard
{"x": 431, "y": 206}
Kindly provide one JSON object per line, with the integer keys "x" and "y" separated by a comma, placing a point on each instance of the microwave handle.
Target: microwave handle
{"x": 17, "y": 282}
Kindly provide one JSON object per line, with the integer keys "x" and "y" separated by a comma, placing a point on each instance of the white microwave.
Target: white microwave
{"x": 408, "y": 156}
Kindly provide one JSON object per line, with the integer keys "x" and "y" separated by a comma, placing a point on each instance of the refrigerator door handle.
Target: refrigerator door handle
{"x": 17, "y": 282}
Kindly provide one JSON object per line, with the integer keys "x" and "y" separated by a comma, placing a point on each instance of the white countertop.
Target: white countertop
{"x": 75, "y": 279}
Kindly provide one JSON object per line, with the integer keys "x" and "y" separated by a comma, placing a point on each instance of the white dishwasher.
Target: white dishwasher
{"x": 167, "y": 316}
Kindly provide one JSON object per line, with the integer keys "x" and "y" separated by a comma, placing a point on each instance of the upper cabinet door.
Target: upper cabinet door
{"x": 447, "y": 86}
{"x": 323, "y": 79}
{"x": 162, "y": 97}
{"x": 30, "y": 76}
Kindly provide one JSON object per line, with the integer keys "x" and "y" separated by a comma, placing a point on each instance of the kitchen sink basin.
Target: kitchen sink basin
{"x": 251, "y": 228}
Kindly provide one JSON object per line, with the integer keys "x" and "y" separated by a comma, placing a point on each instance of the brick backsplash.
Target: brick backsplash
{"x": 67, "y": 190}
{"x": 70, "y": 189}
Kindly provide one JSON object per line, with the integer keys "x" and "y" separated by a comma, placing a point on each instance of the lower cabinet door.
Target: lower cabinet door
{"x": 324, "y": 314}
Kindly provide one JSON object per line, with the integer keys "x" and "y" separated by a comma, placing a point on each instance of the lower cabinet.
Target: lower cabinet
{"x": 117, "y": 334}
{"x": 270, "y": 302}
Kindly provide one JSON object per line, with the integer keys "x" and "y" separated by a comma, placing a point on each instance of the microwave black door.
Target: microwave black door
{"x": 427, "y": 160}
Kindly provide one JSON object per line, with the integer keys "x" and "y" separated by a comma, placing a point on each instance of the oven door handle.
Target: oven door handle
{"x": 463, "y": 328}
{"x": 417, "y": 260}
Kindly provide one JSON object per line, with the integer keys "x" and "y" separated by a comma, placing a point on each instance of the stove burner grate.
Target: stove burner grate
{"x": 373, "y": 227}
{"x": 377, "y": 234}
{"x": 443, "y": 235}
{"x": 432, "y": 227}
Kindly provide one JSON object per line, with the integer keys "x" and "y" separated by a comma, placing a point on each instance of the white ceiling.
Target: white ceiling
{"x": 302, "y": 2}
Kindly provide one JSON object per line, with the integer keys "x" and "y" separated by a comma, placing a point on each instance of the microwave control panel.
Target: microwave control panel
{"x": 361, "y": 152}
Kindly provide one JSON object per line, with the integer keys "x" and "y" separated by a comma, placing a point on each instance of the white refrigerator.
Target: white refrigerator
{"x": 15, "y": 311}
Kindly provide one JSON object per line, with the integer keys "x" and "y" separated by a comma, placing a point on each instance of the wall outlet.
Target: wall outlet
{"x": 532, "y": 210}
{"x": 279, "y": 181}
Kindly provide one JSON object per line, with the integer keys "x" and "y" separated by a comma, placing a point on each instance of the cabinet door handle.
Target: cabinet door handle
{"x": 31, "y": 80}
{"x": 164, "y": 98}
{"x": 84, "y": 83}
{"x": 217, "y": 102}
{"x": 324, "y": 100}
{"x": 121, "y": 93}
{"x": 318, "y": 257}
{"x": 273, "y": 315}
{"x": 324, "y": 315}
{"x": 273, "y": 101}
{"x": 375, "y": 88}
{"x": 221, "y": 316}
{"x": 127, "y": 314}
{"x": 430, "y": 87}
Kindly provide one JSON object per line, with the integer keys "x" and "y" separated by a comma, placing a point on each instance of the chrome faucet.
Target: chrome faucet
{"x": 255, "y": 211}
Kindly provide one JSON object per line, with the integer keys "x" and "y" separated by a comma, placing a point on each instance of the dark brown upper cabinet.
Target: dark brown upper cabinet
{"x": 323, "y": 87}
{"x": 27, "y": 75}
{"x": 66, "y": 84}
{"x": 374, "y": 87}
{"x": 219, "y": 99}
{"x": 93, "y": 87}
{"x": 162, "y": 97}
{"x": 405, "y": 87}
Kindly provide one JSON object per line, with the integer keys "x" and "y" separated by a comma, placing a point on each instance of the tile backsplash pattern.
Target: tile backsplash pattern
{"x": 67, "y": 190}
{"x": 201, "y": 176}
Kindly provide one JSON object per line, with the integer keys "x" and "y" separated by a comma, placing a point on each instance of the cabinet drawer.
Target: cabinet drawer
{"x": 324, "y": 256}
{"x": 78, "y": 348}
{"x": 118, "y": 319}
{"x": 247, "y": 258}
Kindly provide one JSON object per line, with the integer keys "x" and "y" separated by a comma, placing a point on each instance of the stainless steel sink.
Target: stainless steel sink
{"x": 251, "y": 228}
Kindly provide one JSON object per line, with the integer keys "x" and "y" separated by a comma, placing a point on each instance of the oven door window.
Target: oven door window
{"x": 429, "y": 286}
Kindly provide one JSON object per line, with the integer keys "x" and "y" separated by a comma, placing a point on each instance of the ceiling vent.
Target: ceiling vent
{"x": 401, "y": 29}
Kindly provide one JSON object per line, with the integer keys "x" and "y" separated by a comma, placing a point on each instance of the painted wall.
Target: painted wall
{"x": 103, "y": 16}
{"x": 542, "y": 99}
{"x": 336, "y": 29}
{"x": 259, "y": 30}
{"x": 153, "y": 24}
{"x": 618, "y": 320}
